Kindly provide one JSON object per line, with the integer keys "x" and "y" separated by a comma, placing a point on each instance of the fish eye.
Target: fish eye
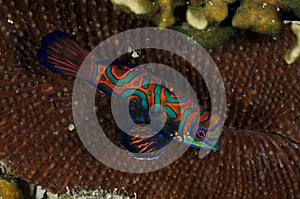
{"x": 200, "y": 134}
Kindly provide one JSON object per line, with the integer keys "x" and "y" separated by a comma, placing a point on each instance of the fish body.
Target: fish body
{"x": 61, "y": 54}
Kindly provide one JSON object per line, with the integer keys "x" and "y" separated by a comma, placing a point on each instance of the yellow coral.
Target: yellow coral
{"x": 213, "y": 11}
{"x": 258, "y": 16}
{"x": 205, "y": 15}
{"x": 165, "y": 17}
{"x": 161, "y": 11}
{"x": 215, "y": 36}
{"x": 135, "y": 6}
{"x": 9, "y": 190}
{"x": 196, "y": 18}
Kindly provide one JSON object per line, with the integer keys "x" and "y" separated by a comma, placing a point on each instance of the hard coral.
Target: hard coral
{"x": 257, "y": 15}
{"x": 9, "y": 190}
{"x": 138, "y": 7}
{"x": 165, "y": 18}
{"x": 161, "y": 11}
{"x": 209, "y": 38}
{"x": 213, "y": 12}
{"x": 294, "y": 52}
{"x": 260, "y": 145}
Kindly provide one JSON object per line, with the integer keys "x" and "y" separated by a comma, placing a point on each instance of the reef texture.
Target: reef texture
{"x": 205, "y": 16}
{"x": 9, "y": 190}
{"x": 161, "y": 11}
{"x": 294, "y": 52}
{"x": 260, "y": 145}
{"x": 259, "y": 16}
{"x": 200, "y": 16}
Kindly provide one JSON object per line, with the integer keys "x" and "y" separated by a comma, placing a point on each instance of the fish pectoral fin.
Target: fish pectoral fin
{"x": 145, "y": 147}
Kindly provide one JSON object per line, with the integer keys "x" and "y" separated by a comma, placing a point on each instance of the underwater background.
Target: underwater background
{"x": 255, "y": 51}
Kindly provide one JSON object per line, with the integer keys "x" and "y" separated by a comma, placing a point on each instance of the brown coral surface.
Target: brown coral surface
{"x": 259, "y": 153}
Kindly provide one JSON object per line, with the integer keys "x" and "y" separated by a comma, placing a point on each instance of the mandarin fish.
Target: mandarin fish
{"x": 61, "y": 54}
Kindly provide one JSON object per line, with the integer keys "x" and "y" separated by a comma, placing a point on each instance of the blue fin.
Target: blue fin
{"x": 145, "y": 147}
{"x": 60, "y": 53}
{"x": 122, "y": 64}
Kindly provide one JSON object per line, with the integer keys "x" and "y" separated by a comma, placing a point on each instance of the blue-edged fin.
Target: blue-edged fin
{"x": 216, "y": 147}
{"x": 145, "y": 147}
{"x": 61, "y": 54}
{"x": 213, "y": 134}
{"x": 122, "y": 64}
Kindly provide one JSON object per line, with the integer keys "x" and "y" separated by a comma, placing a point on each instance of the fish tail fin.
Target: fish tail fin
{"x": 61, "y": 54}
